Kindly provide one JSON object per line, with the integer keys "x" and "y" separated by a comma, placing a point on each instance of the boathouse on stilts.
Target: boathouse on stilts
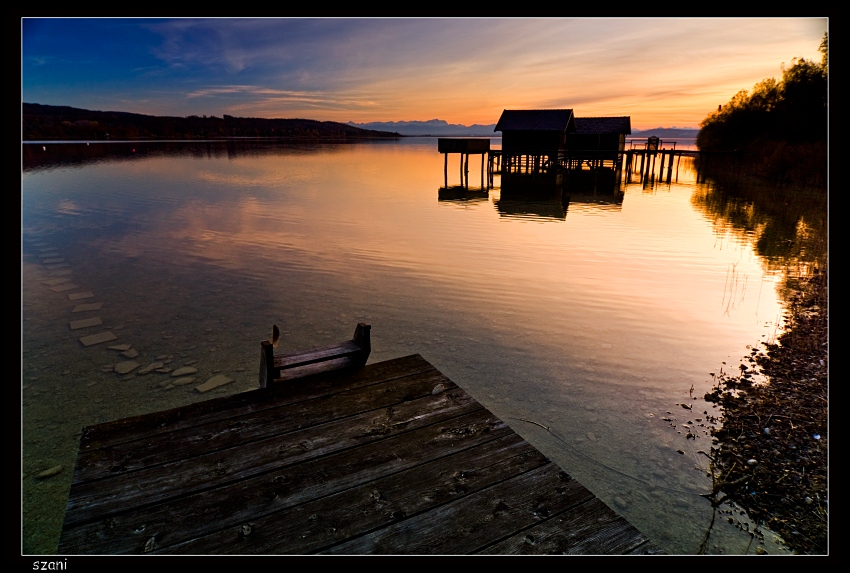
{"x": 534, "y": 140}
{"x": 598, "y": 142}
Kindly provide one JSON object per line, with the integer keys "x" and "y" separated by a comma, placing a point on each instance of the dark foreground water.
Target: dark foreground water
{"x": 596, "y": 316}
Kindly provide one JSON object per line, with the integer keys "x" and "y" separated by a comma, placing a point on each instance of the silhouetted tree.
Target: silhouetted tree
{"x": 778, "y": 121}
{"x": 793, "y": 109}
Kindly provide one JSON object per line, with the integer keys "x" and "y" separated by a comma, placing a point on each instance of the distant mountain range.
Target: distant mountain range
{"x": 440, "y": 127}
{"x": 430, "y": 127}
{"x": 47, "y": 122}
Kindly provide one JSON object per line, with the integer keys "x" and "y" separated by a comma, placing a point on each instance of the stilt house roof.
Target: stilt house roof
{"x": 603, "y": 125}
{"x": 560, "y": 120}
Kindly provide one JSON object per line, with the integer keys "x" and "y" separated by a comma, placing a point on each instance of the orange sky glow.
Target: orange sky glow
{"x": 660, "y": 71}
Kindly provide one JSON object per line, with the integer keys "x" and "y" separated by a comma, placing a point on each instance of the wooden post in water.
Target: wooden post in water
{"x": 670, "y": 169}
{"x": 482, "y": 170}
{"x": 267, "y": 373}
{"x": 362, "y": 336}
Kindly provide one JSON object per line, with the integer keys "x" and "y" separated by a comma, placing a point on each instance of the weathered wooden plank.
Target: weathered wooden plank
{"x": 478, "y": 520}
{"x": 245, "y": 500}
{"x": 189, "y": 473}
{"x": 313, "y": 368}
{"x": 115, "y": 461}
{"x": 147, "y": 425}
{"x": 390, "y": 458}
{"x": 590, "y": 528}
{"x": 330, "y": 520}
{"x": 648, "y": 548}
{"x": 317, "y": 354}
{"x": 352, "y": 353}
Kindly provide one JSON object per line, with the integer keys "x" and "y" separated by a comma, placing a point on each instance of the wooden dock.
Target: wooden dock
{"x": 463, "y": 146}
{"x": 391, "y": 458}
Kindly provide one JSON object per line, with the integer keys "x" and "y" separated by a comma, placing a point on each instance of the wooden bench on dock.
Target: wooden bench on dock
{"x": 349, "y": 354}
{"x": 390, "y": 458}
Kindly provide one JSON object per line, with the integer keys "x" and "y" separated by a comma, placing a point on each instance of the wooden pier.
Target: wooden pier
{"x": 390, "y": 458}
{"x": 463, "y": 146}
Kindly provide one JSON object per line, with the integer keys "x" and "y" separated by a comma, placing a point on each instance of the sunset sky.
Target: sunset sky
{"x": 661, "y": 72}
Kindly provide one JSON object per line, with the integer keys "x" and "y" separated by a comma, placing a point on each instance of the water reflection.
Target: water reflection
{"x": 51, "y": 154}
{"x": 595, "y": 328}
{"x": 540, "y": 196}
{"x": 787, "y": 225}
{"x": 462, "y": 193}
{"x": 547, "y": 196}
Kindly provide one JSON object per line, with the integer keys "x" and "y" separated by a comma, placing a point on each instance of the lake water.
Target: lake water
{"x": 595, "y": 316}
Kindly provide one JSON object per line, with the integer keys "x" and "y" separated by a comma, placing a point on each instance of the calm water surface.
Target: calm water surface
{"x": 595, "y": 317}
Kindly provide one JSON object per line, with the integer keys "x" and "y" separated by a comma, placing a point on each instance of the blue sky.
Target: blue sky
{"x": 661, "y": 72}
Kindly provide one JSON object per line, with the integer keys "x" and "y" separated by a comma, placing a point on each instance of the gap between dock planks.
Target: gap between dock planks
{"x": 393, "y": 458}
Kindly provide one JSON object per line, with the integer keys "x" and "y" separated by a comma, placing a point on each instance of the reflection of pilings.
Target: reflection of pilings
{"x": 462, "y": 193}
{"x": 463, "y": 169}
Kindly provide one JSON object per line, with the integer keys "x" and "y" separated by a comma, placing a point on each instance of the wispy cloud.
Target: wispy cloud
{"x": 461, "y": 70}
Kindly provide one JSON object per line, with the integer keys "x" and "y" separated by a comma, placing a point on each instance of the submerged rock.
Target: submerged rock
{"x": 213, "y": 382}
{"x": 126, "y": 367}
{"x": 185, "y": 371}
{"x": 50, "y": 472}
{"x": 151, "y": 367}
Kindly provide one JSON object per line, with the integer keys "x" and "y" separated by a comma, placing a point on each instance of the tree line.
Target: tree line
{"x": 778, "y": 122}
{"x": 58, "y": 123}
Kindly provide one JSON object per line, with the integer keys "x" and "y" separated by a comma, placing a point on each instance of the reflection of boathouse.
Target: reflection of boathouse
{"x": 462, "y": 193}
{"x": 539, "y": 197}
{"x": 547, "y": 196}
